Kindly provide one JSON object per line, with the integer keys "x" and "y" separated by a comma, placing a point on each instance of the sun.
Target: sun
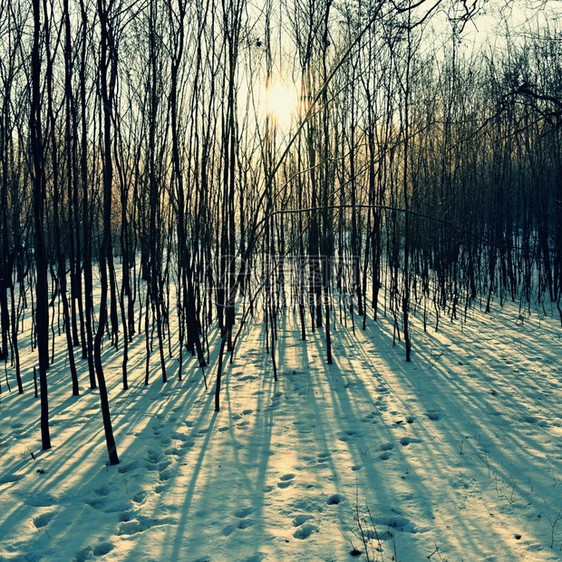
{"x": 281, "y": 103}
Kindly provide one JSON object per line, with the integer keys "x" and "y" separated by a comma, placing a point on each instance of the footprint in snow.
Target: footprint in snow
{"x": 305, "y": 531}
{"x": 434, "y": 415}
{"x": 165, "y": 474}
{"x": 103, "y": 490}
{"x": 385, "y": 456}
{"x": 139, "y": 497}
{"x": 141, "y": 524}
{"x": 127, "y": 515}
{"x": 40, "y": 500}
{"x": 323, "y": 457}
{"x": 43, "y": 520}
{"x": 335, "y": 499}
{"x": 178, "y": 436}
{"x": 9, "y": 478}
{"x": 347, "y": 435}
{"x": 286, "y": 481}
{"x": 369, "y": 418}
{"x": 154, "y": 455}
{"x": 243, "y": 512}
{"x": 245, "y": 523}
{"x": 103, "y": 548}
{"x": 300, "y": 519}
{"x": 97, "y": 503}
{"x": 174, "y": 451}
{"x": 100, "y": 549}
{"x": 129, "y": 467}
{"x": 405, "y": 441}
{"x": 256, "y": 557}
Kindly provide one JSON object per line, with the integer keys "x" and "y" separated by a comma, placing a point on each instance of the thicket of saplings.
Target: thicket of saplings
{"x": 147, "y": 191}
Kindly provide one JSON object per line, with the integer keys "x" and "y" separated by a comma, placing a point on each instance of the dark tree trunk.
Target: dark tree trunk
{"x": 38, "y": 179}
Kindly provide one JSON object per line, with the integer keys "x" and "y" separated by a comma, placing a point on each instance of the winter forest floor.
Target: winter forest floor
{"x": 454, "y": 456}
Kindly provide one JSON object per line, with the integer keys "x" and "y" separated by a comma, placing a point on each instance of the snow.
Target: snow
{"x": 454, "y": 456}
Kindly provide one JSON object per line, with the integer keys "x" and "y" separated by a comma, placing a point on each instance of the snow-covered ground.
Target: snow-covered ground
{"x": 454, "y": 456}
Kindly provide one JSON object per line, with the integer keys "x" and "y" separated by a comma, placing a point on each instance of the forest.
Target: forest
{"x": 173, "y": 172}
